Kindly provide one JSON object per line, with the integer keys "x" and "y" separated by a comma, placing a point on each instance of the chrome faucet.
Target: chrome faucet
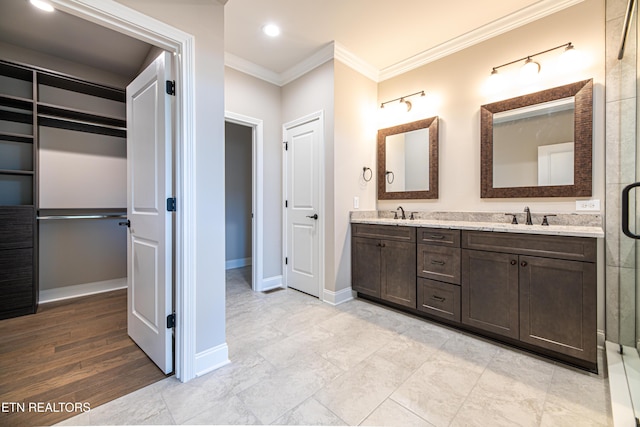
{"x": 403, "y": 215}
{"x": 528, "y": 212}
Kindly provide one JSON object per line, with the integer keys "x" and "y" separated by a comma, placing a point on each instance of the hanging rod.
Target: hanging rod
{"x": 112, "y": 216}
{"x": 625, "y": 29}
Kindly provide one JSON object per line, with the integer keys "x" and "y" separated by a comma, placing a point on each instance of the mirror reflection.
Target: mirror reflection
{"x": 407, "y": 157}
{"x": 534, "y": 145}
{"x": 408, "y": 160}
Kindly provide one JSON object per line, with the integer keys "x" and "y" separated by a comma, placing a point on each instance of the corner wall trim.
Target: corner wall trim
{"x": 336, "y": 298}
{"x": 75, "y": 291}
{"x": 212, "y": 359}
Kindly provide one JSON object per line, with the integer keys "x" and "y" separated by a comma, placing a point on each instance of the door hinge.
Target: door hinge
{"x": 286, "y": 261}
{"x": 171, "y": 87}
{"x": 171, "y": 320}
{"x": 286, "y": 203}
{"x": 286, "y": 145}
{"x": 171, "y": 204}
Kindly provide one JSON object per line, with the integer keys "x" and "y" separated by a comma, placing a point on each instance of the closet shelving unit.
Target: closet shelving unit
{"x": 22, "y": 112}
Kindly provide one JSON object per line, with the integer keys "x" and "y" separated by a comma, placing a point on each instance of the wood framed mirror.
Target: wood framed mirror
{"x": 408, "y": 161}
{"x": 538, "y": 145}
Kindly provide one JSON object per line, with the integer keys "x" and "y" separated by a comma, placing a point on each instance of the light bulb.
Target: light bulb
{"x": 272, "y": 30}
{"x": 529, "y": 71}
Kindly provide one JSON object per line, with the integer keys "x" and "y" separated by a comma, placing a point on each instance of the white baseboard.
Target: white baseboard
{"x": 335, "y": 298}
{"x": 621, "y": 406}
{"x": 212, "y": 359}
{"x": 271, "y": 283}
{"x": 74, "y": 291}
{"x": 237, "y": 263}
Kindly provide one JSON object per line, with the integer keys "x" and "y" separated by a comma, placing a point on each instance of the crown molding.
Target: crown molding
{"x": 486, "y": 32}
{"x": 335, "y": 50}
{"x": 255, "y": 70}
{"x": 355, "y": 62}
{"x": 324, "y": 54}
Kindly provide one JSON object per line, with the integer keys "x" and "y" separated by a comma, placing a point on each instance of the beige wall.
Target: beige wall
{"x": 354, "y": 148}
{"x": 458, "y": 82}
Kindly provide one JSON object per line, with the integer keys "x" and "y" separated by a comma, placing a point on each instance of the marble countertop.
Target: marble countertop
{"x": 555, "y": 230}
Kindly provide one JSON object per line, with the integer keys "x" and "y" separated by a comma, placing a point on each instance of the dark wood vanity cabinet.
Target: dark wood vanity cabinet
{"x": 538, "y": 289}
{"x": 384, "y": 263}
{"x": 438, "y": 270}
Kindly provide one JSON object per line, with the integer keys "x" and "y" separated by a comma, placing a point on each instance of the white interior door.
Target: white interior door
{"x": 149, "y": 184}
{"x": 303, "y": 222}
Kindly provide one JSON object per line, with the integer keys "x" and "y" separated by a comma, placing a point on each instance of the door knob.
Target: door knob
{"x": 314, "y": 216}
{"x": 126, "y": 223}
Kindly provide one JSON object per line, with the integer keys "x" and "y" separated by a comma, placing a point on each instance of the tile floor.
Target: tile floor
{"x": 298, "y": 361}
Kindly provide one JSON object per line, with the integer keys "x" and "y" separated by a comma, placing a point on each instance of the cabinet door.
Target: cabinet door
{"x": 490, "y": 292}
{"x": 398, "y": 273}
{"x": 558, "y": 306}
{"x": 365, "y": 268}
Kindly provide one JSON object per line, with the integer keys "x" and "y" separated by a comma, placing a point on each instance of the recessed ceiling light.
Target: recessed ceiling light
{"x": 42, "y": 5}
{"x": 272, "y": 30}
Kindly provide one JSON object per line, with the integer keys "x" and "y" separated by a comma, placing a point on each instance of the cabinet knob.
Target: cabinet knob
{"x": 523, "y": 263}
{"x": 514, "y": 262}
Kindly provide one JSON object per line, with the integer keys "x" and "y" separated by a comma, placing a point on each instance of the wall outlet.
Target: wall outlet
{"x": 588, "y": 205}
{"x": 356, "y": 202}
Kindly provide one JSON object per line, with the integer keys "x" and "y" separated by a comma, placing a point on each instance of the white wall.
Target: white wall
{"x": 205, "y": 21}
{"x": 238, "y": 144}
{"x": 457, "y": 82}
{"x": 258, "y": 99}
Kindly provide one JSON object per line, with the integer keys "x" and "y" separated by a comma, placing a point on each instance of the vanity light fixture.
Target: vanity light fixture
{"x": 403, "y": 99}
{"x": 42, "y": 5}
{"x": 531, "y": 68}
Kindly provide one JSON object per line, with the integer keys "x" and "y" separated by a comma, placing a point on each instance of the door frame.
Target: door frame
{"x": 257, "y": 194}
{"x": 318, "y": 115}
{"x": 122, "y": 19}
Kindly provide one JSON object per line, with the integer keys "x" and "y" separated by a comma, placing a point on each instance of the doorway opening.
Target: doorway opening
{"x": 244, "y": 195}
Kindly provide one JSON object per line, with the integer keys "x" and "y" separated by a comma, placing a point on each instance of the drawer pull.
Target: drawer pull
{"x": 437, "y": 298}
{"x": 433, "y": 261}
{"x": 382, "y": 245}
{"x": 437, "y": 236}
{"x": 514, "y": 262}
{"x": 523, "y": 263}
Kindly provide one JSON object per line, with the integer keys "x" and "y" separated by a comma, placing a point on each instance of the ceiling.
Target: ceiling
{"x": 379, "y": 33}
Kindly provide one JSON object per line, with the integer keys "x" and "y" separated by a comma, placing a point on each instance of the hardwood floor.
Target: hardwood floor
{"x": 70, "y": 356}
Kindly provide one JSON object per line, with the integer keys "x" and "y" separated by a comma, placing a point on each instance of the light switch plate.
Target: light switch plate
{"x": 356, "y": 202}
{"x": 588, "y": 205}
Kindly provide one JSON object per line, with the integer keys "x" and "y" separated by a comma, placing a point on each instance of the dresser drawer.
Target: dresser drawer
{"x": 388, "y": 232}
{"x": 439, "y": 236}
{"x": 560, "y": 247}
{"x": 16, "y": 279}
{"x": 439, "y": 263}
{"x": 16, "y": 227}
{"x": 439, "y": 299}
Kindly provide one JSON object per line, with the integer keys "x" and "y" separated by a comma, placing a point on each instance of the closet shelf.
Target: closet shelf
{"x": 16, "y": 71}
{"x": 81, "y": 126}
{"x": 69, "y": 83}
{"x": 16, "y": 102}
{"x": 14, "y": 116}
{"x": 16, "y": 137}
{"x": 81, "y": 116}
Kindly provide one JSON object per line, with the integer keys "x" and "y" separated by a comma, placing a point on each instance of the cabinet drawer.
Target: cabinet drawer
{"x": 439, "y": 299}
{"x": 561, "y": 247}
{"x": 439, "y": 263}
{"x": 439, "y": 236}
{"x": 388, "y": 232}
{"x": 16, "y": 227}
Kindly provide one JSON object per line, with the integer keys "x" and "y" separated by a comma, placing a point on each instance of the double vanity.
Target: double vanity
{"x": 532, "y": 286}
